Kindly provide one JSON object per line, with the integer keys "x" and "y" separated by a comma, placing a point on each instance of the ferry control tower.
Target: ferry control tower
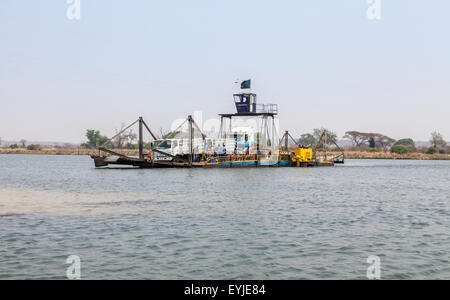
{"x": 265, "y": 143}
{"x": 246, "y": 105}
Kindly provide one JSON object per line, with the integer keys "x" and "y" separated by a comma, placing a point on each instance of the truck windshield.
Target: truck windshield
{"x": 163, "y": 144}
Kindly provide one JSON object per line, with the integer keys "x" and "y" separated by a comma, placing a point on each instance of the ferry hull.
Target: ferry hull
{"x": 105, "y": 161}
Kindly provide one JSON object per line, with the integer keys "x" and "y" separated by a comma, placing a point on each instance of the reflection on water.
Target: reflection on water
{"x": 284, "y": 223}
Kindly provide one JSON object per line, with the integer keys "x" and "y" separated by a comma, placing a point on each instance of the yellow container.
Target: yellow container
{"x": 302, "y": 155}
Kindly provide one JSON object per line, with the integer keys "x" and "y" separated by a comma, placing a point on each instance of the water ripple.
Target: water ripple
{"x": 223, "y": 224}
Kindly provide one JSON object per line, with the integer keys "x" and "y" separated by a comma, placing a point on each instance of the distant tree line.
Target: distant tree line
{"x": 438, "y": 145}
{"x": 377, "y": 142}
{"x": 23, "y": 144}
{"x": 360, "y": 140}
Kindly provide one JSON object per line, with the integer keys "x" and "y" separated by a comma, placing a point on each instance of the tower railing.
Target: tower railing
{"x": 267, "y": 108}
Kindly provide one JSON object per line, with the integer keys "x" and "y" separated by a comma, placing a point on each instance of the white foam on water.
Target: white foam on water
{"x": 15, "y": 201}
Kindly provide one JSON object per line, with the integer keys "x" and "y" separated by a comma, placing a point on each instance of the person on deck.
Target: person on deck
{"x": 246, "y": 147}
{"x": 224, "y": 149}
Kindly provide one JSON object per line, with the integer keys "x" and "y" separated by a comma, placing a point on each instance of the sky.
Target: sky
{"x": 324, "y": 62}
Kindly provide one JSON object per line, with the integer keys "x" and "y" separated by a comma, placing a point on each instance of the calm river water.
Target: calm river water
{"x": 274, "y": 223}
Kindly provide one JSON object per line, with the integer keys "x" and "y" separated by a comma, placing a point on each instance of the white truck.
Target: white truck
{"x": 181, "y": 148}
{"x": 239, "y": 141}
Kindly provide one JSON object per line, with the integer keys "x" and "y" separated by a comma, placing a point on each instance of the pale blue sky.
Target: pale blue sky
{"x": 323, "y": 62}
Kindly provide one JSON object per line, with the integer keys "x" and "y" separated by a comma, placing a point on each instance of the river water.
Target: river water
{"x": 266, "y": 223}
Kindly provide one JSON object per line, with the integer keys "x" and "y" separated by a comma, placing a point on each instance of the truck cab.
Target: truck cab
{"x": 181, "y": 148}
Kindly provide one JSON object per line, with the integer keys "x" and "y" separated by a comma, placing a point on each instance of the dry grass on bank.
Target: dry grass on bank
{"x": 61, "y": 151}
{"x": 389, "y": 155}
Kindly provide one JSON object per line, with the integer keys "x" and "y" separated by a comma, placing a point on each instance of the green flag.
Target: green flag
{"x": 246, "y": 84}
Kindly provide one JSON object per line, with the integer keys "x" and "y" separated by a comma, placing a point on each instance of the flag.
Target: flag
{"x": 245, "y": 84}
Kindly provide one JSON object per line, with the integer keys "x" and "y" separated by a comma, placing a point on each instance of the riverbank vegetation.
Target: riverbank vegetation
{"x": 363, "y": 145}
{"x": 374, "y": 145}
{"x": 62, "y": 151}
{"x": 379, "y": 146}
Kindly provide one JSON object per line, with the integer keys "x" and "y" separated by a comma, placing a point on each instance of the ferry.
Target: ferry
{"x": 234, "y": 146}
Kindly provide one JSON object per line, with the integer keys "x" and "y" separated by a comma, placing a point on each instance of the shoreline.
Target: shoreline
{"x": 389, "y": 155}
{"x": 61, "y": 151}
{"x": 348, "y": 154}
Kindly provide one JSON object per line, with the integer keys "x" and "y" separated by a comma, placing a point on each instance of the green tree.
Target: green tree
{"x": 14, "y": 146}
{"x": 437, "y": 140}
{"x": 95, "y": 139}
{"x": 405, "y": 142}
{"x": 34, "y": 147}
{"x": 401, "y": 149}
{"x": 307, "y": 140}
{"x": 372, "y": 143}
{"x": 431, "y": 150}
